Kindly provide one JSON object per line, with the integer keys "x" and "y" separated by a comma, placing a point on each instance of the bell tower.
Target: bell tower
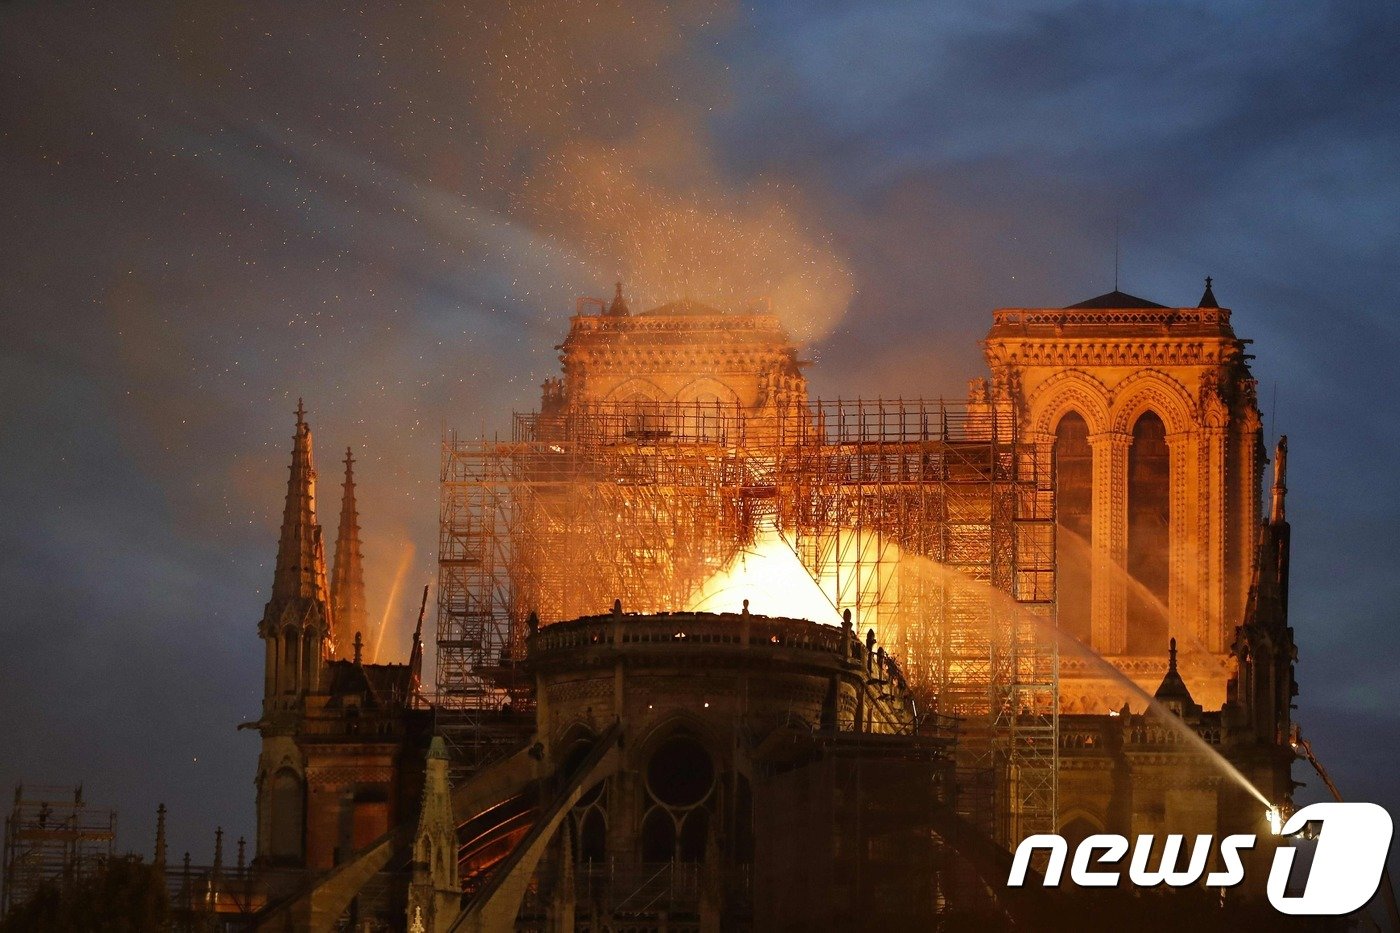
{"x": 1151, "y": 414}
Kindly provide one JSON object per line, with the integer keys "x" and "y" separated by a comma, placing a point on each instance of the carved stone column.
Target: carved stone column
{"x": 1213, "y": 511}
{"x": 1108, "y": 618}
{"x": 1183, "y": 615}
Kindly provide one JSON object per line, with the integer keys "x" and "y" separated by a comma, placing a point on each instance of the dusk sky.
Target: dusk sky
{"x": 210, "y": 210}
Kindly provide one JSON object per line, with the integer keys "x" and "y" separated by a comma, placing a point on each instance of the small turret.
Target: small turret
{"x": 1172, "y": 692}
{"x": 1208, "y": 298}
{"x": 618, "y": 308}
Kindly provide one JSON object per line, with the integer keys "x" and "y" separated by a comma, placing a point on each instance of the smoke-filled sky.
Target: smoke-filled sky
{"x": 212, "y": 209}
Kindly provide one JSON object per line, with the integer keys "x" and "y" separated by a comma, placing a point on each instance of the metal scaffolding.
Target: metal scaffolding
{"x": 52, "y": 836}
{"x": 933, "y": 522}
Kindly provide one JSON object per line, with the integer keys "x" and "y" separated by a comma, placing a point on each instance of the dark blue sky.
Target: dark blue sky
{"x": 208, "y": 212}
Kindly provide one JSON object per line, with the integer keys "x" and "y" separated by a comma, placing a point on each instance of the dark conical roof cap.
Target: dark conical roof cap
{"x": 1208, "y": 299}
{"x": 1114, "y": 299}
{"x": 1172, "y": 686}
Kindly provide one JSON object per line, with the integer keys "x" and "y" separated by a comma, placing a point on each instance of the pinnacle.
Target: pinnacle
{"x": 348, "y": 576}
{"x": 301, "y": 571}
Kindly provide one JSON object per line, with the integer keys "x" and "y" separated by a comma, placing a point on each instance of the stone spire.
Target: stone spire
{"x": 159, "y": 860}
{"x": 415, "y": 656}
{"x": 1280, "y": 488}
{"x": 297, "y": 621}
{"x": 301, "y": 563}
{"x": 434, "y": 893}
{"x": 1269, "y": 588}
{"x": 348, "y": 574}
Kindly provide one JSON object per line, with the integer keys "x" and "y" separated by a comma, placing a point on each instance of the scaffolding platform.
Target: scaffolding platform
{"x": 52, "y": 836}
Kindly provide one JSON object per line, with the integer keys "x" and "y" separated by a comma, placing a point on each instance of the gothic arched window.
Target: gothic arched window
{"x": 658, "y": 836}
{"x": 643, "y": 417}
{"x": 1077, "y": 830}
{"x": 693, "y": 835}
{"x": 310, "y": 658}
{"x": 291, "y": 663}
{"x": 1149, "y": 523}
{"x": 286, "y": 815}
{"x": 680, "y": 784}
{"x": 593, "y": 837}
{"x": 1074, "y": 481}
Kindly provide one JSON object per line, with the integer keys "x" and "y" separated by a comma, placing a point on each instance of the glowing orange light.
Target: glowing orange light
{"x": 769, "y": 575}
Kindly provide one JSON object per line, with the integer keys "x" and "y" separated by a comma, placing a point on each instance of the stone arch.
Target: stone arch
{"x": 577, "y": 730}
{"x": 1070, "y": 814}
{"x": 706, "y": 408}
{"x": 636, "y": 389}
{"x": 1150, "y": 390}
{"x": 591, "y": 838}
{"x": 643, "y": 406}
{"x": 1071, "y": 390}
{"x": 426, "y": 853}
{"x": 1078, "y": 823}
{"x": 573, "y": 743}
{"x": 707, "y": 388}
{"x": 288, "y": 800}
{"x": 678, "y": 721}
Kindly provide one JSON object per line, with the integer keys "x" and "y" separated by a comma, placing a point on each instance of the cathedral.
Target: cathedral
{"x": 599, "y": 753}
